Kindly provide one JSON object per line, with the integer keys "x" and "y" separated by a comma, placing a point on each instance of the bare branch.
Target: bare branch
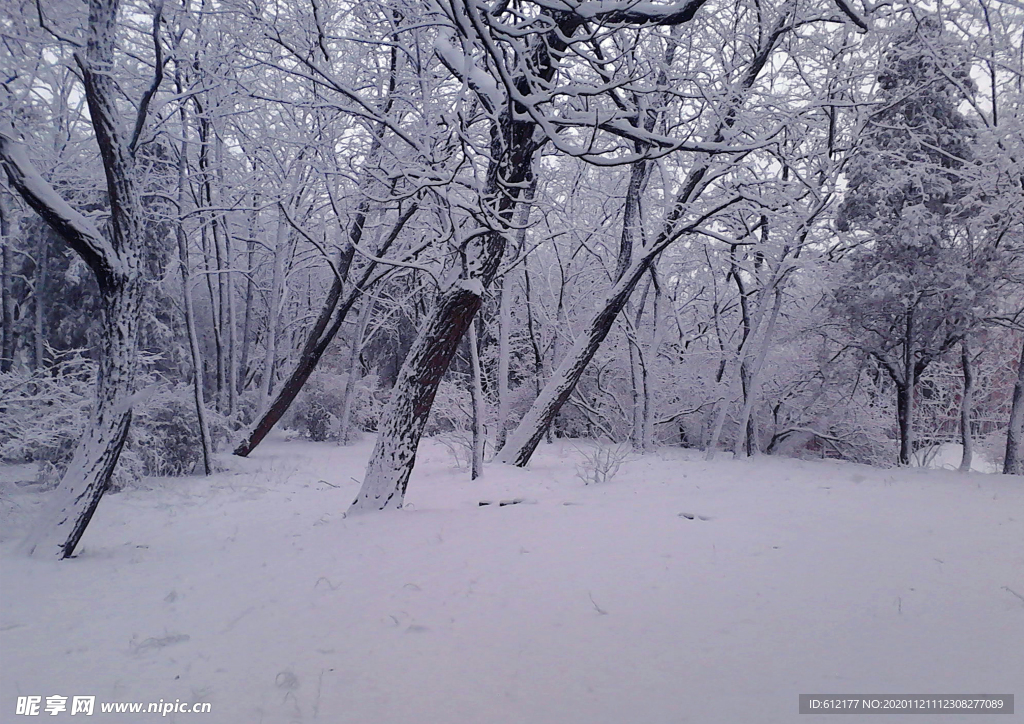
{"x": 158, "y": 77}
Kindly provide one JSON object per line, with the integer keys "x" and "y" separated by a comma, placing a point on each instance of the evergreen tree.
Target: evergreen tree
{"x": 913, "y": 282}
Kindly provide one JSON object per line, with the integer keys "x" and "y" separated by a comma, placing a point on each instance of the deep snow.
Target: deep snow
{"x": 681, "y": 591}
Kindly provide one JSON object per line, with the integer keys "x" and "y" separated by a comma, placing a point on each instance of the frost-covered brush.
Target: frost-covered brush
{"x": 601, "y": 463}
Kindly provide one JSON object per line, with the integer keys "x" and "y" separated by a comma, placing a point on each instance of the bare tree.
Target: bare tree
{"x": 116, "y": 263}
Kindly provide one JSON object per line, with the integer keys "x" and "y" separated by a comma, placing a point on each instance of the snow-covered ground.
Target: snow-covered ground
{"x": 681, "y": 591}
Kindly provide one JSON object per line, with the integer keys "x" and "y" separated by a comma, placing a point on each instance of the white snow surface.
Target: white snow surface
{"x": 681, "y": 591}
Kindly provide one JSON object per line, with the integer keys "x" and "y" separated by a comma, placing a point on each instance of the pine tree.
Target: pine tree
{"x": 912, "y": 283}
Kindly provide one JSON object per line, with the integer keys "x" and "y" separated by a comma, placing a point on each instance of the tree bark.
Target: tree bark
{"x": 332, "y": 317}
{"x": 186, "y": 292}
{"x": 966, "y": 408}
{"x": 746, "y": 436}
{"x": 905, "y": 395}
{"x": 476, "y": 394}
{"x": 521, "y": 445}
{"x": 401, "y": 426}
{"x": 117, "y": 265}
{"x": 1013, "y": 464}
{"x": 6, "y": 293}
{"x": 504, "y": 354}
{"x": 352, "y": 368}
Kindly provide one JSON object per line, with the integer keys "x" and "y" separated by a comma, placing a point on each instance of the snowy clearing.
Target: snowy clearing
{"x": 681, "y": 591}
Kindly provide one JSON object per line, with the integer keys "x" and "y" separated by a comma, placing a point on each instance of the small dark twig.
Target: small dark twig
{"x": 1010, "y": 590}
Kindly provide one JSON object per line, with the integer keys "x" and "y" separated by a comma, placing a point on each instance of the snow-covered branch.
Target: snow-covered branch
{"x": 78, "y": 232}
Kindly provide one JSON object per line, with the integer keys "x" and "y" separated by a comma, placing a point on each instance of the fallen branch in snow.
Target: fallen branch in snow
{"x": 596, "y": 607}
{"x": 1010, "y": 590}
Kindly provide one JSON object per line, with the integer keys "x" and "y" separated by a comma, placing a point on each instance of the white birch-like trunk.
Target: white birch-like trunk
{"x": 198, "y": 393}
{"x": 353, "y": 369}
{"x": 504, "y": 354}
{"x": 274, "y": 308}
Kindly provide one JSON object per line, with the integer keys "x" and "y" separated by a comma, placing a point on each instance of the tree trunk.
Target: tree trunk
{"x": 250, "y": 288}
{"x": 117, "y": 266}
{"x": 274, "y": 307}
{"x": 229, "y": 316}
{"x": 332, "y": 317}
{"x": 71, "y": 506}
{"x": 966, "y": 408}
{"x": 39, "y": 285}
{"x": 476, "y": 394}
{"x": 905, "y": 395}
{"x": 504, "y": 354}
{"x": 352, "y": 368}
{"x": 746, "y": 440}
{"x": 521, "y": 445}
{"x": 401, "y": 426}
{"x": 1013, "y": 464}
{"x": 905, "y": 413}
{"x": 186, "y": 292}
{"x": 6, "y": 293}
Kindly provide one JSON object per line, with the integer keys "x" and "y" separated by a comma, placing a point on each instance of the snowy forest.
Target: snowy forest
{"x": 792, "y": 228}
{"x": 759, "y": 256}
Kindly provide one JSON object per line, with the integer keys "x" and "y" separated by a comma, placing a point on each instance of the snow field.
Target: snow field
{"x": 681, "y": 591}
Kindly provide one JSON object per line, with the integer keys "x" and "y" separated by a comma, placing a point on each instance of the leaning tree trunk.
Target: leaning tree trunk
{"x": 329, "y": 322}
{"x": 117, "y": 265}
{"x": 509, "y": 174}
{"x": 1013, "y": 464}
{"x": 401, "y": 426}
{"x": 522, "y": 443}
{"x": 73, "y": 503}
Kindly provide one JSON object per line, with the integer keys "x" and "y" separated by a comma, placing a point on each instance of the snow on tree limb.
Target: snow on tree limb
{"x": 612, "y": 11}
{"x": 849, "y": 12}
{"x": 78, "y": 232}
